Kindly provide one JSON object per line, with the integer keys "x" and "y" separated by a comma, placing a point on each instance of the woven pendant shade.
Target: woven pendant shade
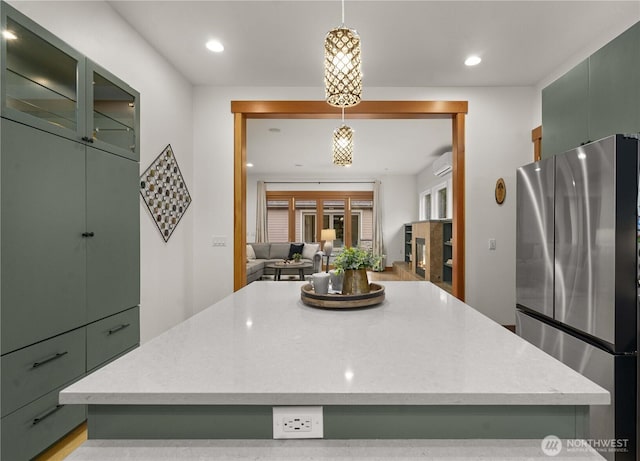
{"x": 343, "y": 146}
{"x": 342, "y": 67}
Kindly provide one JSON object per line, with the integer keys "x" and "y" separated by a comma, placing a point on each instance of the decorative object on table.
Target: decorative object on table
{"x": 328, "y": 236}
{"x": 354, "y": 262}
{"x": 321, "y": 283}
{"x": 297, "y": 257}
{"x": 341, "y": 301}
{"x": 501, "y": 191}
{"x": 165, "y": 192}
{"x": 336, "y": 281}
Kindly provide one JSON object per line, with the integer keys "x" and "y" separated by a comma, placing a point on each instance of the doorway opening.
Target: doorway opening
{"x": 453, "y": 110}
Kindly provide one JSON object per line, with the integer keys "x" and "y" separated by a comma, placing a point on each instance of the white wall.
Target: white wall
{"x": 498, "y": 140}
{"x": 398, "y": 205}
{"x": 96, "y": 30}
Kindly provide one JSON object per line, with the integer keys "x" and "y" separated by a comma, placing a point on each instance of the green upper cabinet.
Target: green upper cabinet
{"x": 48, "y": 85}
{"x": 113, "y": 116}
{"x": 614, "y": 86}
{"x": 564, "y": 111}
{"x": 597, "y": 98}
{"x": 40, "y": 84}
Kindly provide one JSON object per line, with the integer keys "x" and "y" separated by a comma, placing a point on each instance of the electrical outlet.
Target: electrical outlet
{"x": 298, "y": 423}
{"x": 492, "y": 244}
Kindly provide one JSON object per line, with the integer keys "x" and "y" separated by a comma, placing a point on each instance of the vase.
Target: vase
{"x": 336, "y": 280}
{"x": 355, "y": 282}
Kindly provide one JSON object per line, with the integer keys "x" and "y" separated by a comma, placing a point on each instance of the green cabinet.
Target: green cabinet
{"x": 43, "y": 262}
{"x": 113, "y": 252}
{"x": 597, "y": 98}
{"x": 113, "y": 118}
{"x": 614, "y": 86}
{"x": 69, "y": 229}
{"x": 31, "y": 372}
{"x": 565, "y": 123}
{"x": 27, "y": 431}
{"x": 47, "y": 84}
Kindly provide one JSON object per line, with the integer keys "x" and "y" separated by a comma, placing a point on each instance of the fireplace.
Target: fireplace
{"x": 421, "y": 257}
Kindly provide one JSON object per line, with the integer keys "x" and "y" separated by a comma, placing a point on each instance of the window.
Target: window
{"x": 333, "y": 218}
{"x": 425, "y": 205}
{"x": 278, "y": 220}
{"x": 305, "y": 218}
{"x": 300, "y": 215}
{"x": 442, "y": 203}
{"x": 362, "y": 223}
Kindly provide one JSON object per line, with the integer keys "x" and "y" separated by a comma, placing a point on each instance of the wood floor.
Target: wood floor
{"x": 63, "y": 447}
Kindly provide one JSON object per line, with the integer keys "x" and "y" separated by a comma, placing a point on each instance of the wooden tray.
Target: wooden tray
{"x": 339, "y": 301}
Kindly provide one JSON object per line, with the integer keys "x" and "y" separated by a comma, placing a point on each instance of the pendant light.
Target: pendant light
{"x": 342, "y": 66}
{"x": 343, "y": 144}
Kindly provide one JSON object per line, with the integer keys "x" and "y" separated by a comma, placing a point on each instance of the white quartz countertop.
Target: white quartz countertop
{"x": 262, "y": 346}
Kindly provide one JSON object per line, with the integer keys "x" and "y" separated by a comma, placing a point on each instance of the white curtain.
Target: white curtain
{"x": 378, "y": 246}
{"x": 261, "y": 212}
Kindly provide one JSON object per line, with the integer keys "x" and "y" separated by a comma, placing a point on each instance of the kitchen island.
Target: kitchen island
{"x": 421, "y": 365}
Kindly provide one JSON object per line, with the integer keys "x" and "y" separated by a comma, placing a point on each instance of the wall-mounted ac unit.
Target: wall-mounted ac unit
{"x": 443, "y": 164}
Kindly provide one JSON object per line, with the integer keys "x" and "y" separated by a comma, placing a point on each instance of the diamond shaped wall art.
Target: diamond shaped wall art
{"x": 165, "y": 192}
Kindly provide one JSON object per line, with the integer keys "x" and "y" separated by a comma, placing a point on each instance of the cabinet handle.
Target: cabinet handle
{"x": 87, "y": 139}
{"x": 88, "y": 234}
{"x": 41, "y": 418}
{"x": 50, "y": 359}
{"x": 118, "y": 328}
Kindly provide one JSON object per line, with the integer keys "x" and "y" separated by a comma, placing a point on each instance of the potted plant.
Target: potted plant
{"x": 297, "y": 257}
{"x": 354, "y": 262}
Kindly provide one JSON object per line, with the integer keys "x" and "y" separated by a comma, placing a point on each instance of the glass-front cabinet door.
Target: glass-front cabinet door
{"x": 42, "y": 79}
{"x": 112, "y": 117}
{"x": 48, "y": 85}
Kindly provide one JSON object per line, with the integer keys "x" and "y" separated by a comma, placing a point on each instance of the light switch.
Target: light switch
{"x": 219, "y": 241}
{"x": 492, "y": 244}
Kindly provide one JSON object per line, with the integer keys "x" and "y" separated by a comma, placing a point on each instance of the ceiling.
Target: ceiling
{"x": 302, "y": 148}
{"x": 404, "y": 44}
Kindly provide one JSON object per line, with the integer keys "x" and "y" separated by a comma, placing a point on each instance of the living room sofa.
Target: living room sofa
{"x": 260, "y": 255}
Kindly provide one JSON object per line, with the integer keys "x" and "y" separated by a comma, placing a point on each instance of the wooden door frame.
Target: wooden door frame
{"x": 243, "y": 110}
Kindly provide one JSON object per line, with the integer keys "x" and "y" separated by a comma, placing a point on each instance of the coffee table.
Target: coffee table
{"x": 277, "y": 267}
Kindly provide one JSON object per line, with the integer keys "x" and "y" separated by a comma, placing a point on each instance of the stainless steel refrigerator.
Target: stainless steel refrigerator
{"x": 577, "y": 275}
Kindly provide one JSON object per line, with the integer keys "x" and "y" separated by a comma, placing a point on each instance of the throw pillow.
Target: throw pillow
{"x": 309, "y": 250}
{"x": 250, "y": 253}
{"x": 295, "y": 248}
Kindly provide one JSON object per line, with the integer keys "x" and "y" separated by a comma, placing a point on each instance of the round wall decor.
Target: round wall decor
{"x": 501, "y": 191}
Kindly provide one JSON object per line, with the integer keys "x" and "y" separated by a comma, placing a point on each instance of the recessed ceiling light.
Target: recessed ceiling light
{"x": 473, "y": 60}
{"x": 215, "y": 46}
{"x": 249, "y": 165}
{"x": 9, "y": 35}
